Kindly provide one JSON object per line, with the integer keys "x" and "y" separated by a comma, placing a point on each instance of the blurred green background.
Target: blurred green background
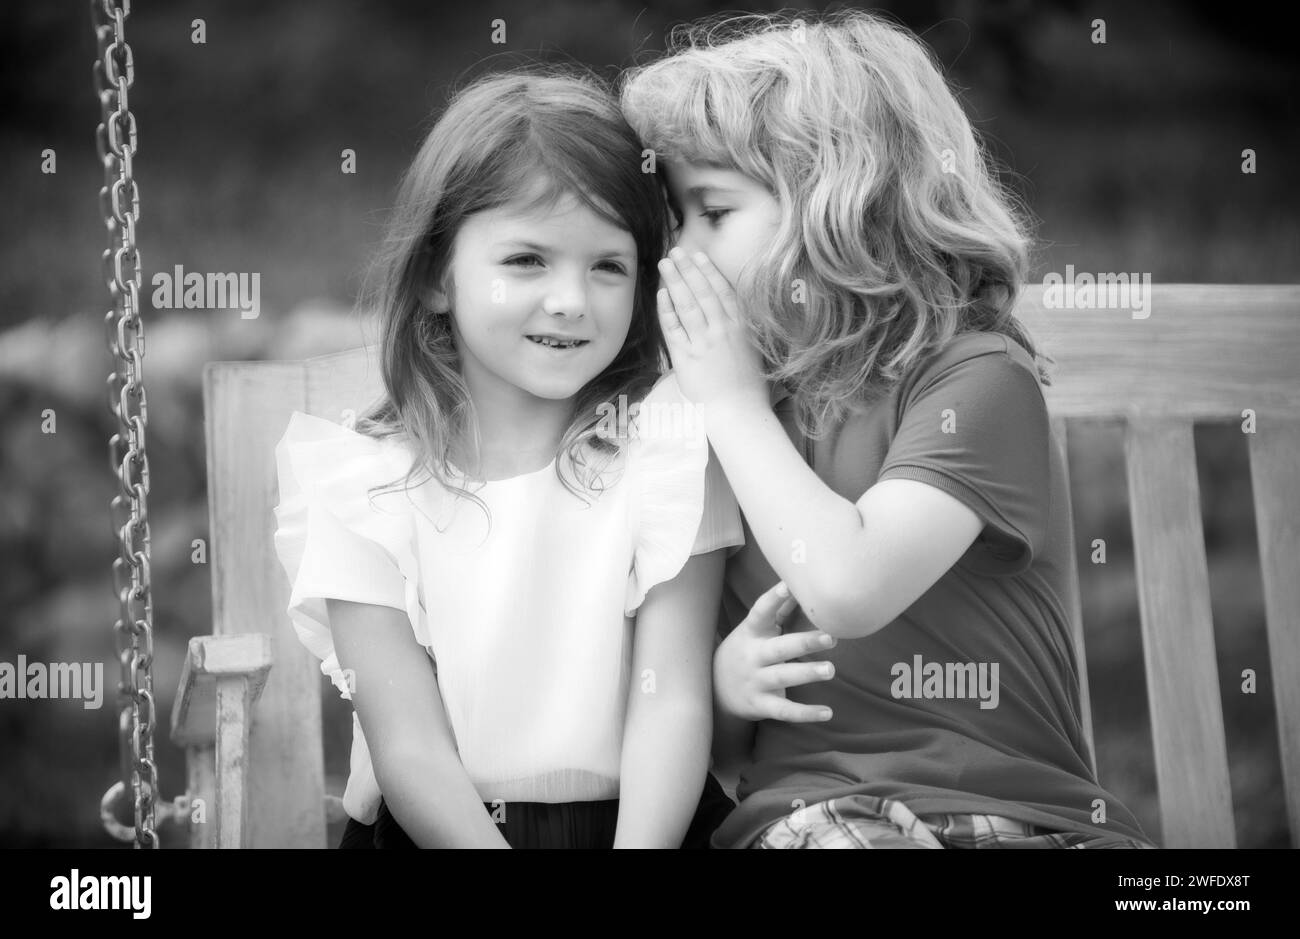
{"x": 1128, "y": 153}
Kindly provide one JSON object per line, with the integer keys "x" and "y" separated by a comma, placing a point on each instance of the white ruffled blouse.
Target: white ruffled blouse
{"x": 529, "y": 620}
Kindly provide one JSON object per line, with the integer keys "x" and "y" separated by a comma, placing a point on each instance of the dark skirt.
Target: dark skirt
{"x": 551, "y": 825}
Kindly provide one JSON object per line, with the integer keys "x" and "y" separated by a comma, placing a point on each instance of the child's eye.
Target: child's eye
{"x": 714, "y": 215}
{"x": 523, "y": 260}
{"x": 613, "y": 267}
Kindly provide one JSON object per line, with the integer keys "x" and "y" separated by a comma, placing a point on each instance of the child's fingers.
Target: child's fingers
{"x": 776, "y": 708}
{"x": 791, "y": 674}
{"x": 762, "y": 618}
{"x": 795, "y": 645}
{"x": 785, "y": 609}
{"x": 668, "y": 321}
{"x": 705, "y": 295}
{"x": 722, "y": 288}
{"x": 688, "y": 310}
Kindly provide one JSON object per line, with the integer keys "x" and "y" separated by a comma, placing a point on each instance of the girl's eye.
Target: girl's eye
{"x": 613, "y": 267}
{"x": 523, "y": 260}
{"x": 714, "y": 215}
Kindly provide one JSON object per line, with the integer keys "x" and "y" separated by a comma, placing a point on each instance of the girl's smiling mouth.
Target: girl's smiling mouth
{"x": 556, "y": 342}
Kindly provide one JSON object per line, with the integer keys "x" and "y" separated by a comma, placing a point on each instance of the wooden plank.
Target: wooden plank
{"x": 343, "y": 384}
{"x": 1193, "y": 357}
{"x": 191, "y": 722}
{"x": 1275, "y": 478}
{"x": 194, "y": 712}
{"x": 234, "y": 701}
{"x": 200, "y": 777}
{"x": 221, "y": 678}
{"x": 1074, "y": 603}
{"x": 248, "y": 405}
{"x": 1177, "y": 635}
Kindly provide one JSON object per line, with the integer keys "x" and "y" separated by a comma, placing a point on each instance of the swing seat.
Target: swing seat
{"x": 248, "y": 710}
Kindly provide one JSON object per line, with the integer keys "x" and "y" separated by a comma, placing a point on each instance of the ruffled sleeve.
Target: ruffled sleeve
{"x": 337, "y": 540}
{"x": 681, "y": 504}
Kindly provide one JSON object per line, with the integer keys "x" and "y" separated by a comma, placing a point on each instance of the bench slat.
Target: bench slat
{"x": 248, "y": 406}
{"x": 1178, "y": 636}
{"x": 1201, "y": 349}
{"x": 1075, "y": 604}
{"x": 1275, "y": 478}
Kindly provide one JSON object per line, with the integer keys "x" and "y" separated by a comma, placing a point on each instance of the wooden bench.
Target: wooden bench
{"x": 1205, "y": 353}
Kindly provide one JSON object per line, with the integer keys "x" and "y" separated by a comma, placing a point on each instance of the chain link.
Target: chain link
{"x": 119, "y": 202}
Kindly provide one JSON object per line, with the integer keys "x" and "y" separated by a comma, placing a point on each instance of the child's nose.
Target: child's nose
{"x": 567, "y": 296}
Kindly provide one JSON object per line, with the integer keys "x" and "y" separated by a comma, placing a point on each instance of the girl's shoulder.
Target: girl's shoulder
{"x": 665, "y": 418}
{"x": 973, "y": 344}
{"x": 318, "y": 455}
{"x": 978, "y": 357}
{"x": 668, "y": 447}
{"x": 310, "y": 428}
{"x": 679, "y": 501}
{"x": 666, "y": 387}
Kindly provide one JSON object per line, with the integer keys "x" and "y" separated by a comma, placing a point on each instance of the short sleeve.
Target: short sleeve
{"x": 336, "y": 539}
{"x": 975, "y": 425}
{"x": 681, "y": 503}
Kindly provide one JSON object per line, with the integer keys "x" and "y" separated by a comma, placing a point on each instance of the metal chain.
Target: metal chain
{"x": 115, "y": 139}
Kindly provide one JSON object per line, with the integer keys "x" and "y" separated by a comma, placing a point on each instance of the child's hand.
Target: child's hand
{"x": 752, "y": 667}
{"x": 712, "y": 355}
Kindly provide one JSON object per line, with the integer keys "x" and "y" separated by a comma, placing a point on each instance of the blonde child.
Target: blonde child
{"x": 840, "y": 303}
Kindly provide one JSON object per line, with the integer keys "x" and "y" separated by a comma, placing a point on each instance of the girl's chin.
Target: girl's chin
{"x": 557, "y": 382}
{"x": 557, "y": 387}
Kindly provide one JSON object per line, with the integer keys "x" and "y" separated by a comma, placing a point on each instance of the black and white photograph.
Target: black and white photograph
{"x": 666, "y": 425}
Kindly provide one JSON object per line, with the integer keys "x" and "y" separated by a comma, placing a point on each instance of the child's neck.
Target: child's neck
{"x": 517, "y": 435}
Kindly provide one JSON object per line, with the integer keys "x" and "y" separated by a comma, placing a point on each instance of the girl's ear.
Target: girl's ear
{"x": 435, "y": 299}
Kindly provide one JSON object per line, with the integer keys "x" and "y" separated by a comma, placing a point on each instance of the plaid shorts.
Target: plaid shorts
{"x": 873, "y": 822}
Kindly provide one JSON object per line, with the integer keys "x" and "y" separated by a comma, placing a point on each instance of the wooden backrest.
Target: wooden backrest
{"x": 1204, "y": 353}
{"x": 247, "y": 407}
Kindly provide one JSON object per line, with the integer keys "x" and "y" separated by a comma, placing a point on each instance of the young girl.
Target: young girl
{"x": 843, "y": 238}
{"x": 517, "y": 592}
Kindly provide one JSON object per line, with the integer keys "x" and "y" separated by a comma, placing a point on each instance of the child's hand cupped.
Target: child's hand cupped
{"x": 712, "y": 355}
{"x": 752, "y": 667}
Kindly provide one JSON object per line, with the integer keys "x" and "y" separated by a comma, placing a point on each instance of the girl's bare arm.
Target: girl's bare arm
{"x": 863, "y": 563}
{"x": 396, "y": 698}
{"x": 668, "y": 728}
{"x": 860, "y": 564}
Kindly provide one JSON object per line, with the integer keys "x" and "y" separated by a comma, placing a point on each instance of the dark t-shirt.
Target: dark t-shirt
{"x": 915, "y": 718}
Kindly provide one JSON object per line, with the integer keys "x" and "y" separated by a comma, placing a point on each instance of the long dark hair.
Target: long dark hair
{"x": 497, "y": 138}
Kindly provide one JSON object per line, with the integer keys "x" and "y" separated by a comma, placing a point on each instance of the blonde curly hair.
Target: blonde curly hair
{"x": 892, "y": 216}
